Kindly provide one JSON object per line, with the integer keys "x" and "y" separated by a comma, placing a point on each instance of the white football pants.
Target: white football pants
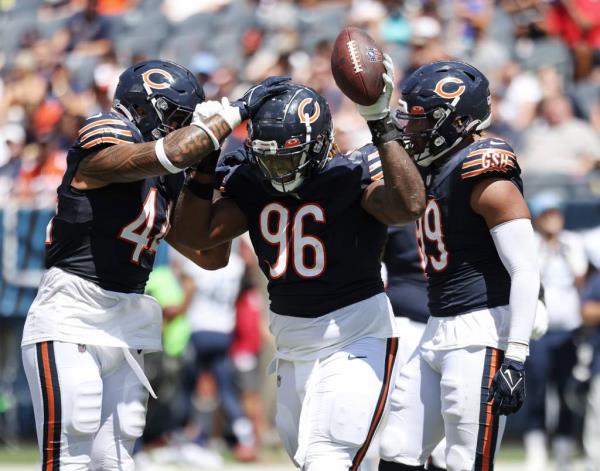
{"x": 444, "y": 392}
{"x": 408, "y": 341}
{"x": 89, "y": 405}
{"x": 329, "y": 409}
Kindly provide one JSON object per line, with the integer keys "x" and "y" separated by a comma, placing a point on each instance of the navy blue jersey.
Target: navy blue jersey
{"x": 407, "y": 285}
{"x": 463, "y": 268}
{"x": 319, "y": 249}
{"x": 109, "y": 235}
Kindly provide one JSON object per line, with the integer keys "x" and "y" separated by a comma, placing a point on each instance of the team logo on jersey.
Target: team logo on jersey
{"x": 305, "y": 117}
{"x": 151, "y": 75}
{"x": 441, "y": 87}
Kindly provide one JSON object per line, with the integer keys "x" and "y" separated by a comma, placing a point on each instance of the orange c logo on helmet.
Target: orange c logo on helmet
{"x": 439, "y": 87}
{"x": 147, "y": 77}
{"x": 305, "y": 118}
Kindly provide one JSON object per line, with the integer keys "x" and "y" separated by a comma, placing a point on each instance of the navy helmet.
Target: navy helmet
{"x": 290, "y": 136}
{"x": 442, "y": 103}
{"x": 158, "y": 97}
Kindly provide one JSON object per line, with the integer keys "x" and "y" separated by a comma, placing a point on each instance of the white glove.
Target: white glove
{"x": 381, "y": 108}
{"x": 205, "y": 110}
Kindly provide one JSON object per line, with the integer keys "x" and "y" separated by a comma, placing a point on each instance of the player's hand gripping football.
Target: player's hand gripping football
{"x": 508, "y": 388}
{"x": 381, "y": 108}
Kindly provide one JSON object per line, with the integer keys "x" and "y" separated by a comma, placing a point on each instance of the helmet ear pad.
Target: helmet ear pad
{"x": 158, "y": 96}
{"x": 290, "y": 137}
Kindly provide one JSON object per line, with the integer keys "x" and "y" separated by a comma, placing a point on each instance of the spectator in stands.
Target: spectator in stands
{"x": 87, "y": 32}
{"x": 13, "y": 135}
{"x": 210, "y": 298}
{"x": 559, "y": 143}
{"x": 590, "y": 314}
{"x": 577, "y": 22}
{"x": 563, "y": 265}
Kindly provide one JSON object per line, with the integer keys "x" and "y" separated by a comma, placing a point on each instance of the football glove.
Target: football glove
{"x": 253, "y": 99}
{"x": 508, "y": 388}
{"x": 381, "y": 108}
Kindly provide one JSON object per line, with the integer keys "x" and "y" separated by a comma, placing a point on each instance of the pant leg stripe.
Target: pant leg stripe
{"x": 390, "y": 359}
{"x": 488, "y": 423}
{"x": 52, "y": 407}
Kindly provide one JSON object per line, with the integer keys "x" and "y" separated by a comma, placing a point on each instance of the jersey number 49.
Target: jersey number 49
{"x": 429, "y": 235}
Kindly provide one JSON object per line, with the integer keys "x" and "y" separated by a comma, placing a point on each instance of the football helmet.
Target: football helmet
{"x": 158, "y": 97}
{"x": 290, "y": 136}
{"x": 442, "y": 103}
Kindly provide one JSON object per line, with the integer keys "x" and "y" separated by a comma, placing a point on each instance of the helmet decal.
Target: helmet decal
{"x": 304, "y": 117}
{"x": 439, "y": 87}
{"x": 147, "y": 77}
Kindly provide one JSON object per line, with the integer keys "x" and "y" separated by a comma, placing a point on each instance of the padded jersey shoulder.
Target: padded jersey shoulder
{"x": 105, "y": 129}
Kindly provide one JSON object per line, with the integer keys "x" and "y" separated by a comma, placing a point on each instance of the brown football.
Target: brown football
{"x": 357, "y": 66}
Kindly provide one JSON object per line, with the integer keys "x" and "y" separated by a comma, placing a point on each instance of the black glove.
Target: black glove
{"x": 209, "y": 163}
{"x": 257, "y": 95}
{"x": 508, "y": 388}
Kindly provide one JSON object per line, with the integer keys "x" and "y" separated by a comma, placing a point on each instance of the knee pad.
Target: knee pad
{"x": 351, "y": 416}
{"x": 83, "y": 410}
{"x": 131, "y": 411}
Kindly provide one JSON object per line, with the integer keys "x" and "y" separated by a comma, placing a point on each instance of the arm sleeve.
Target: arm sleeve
{"x": 515, "y": 243}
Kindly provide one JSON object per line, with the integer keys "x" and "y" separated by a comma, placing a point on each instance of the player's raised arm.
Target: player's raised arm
{"x": 399, "y": 197}
{"x": 211, "y": 123}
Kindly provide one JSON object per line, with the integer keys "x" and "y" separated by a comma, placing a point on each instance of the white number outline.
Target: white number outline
{"x": 435, "y": 234}
{"x": 300, "y": 240}
{"x": 130, "y": 233}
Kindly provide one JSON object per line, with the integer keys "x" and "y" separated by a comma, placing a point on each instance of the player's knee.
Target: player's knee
{"x": 131, "y": 412}
{"x": 83, "y": 411}
{"x": 351, "y": 416}
{"x": 459, "y": 459}
{"x": 327, "y": 464}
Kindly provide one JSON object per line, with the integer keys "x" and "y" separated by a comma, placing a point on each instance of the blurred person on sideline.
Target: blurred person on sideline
{"x": 248, "y": 335}
{"x": 559, "y": 143}
{"x": 563, "y": 265}
{"x": 590, "y": 314}
{"x": 210, "y": 307}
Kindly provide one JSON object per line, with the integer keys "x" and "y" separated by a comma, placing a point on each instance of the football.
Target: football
{"x": 357, "y": 66}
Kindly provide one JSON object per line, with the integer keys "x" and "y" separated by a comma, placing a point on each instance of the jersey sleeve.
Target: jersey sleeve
{"x": 103, "y": 130}
{"x": 368, "y": 158}
{"x": 490, "y": 158}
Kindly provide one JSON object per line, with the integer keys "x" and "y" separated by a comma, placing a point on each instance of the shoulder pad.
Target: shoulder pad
{"x": 106, "y": 129}
{"x": 489, "y": 157}
{"x": 368, "y": 156}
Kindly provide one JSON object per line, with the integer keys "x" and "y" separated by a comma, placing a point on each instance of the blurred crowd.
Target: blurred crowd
{"x": 60, "y": 61}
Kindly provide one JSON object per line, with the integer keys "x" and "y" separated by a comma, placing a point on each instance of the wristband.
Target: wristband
{"x": 516, "y": 351}
{"x": 161, "y": 155}
{"x": 383, "y": 130}
{"x": 203, "y": 191}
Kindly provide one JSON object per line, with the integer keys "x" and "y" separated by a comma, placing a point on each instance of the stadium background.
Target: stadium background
{"x": 60, "y": 60}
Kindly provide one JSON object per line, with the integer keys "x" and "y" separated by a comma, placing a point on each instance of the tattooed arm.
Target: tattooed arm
{"x": 123, "y": 163}
{"x": 400, "y": 197}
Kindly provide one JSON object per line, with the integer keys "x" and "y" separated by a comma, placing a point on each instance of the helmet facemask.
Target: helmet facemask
{"x": 287, "y": 167}
{"x": 429, "y": 135}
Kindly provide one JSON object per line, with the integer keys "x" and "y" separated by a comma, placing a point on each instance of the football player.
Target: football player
{"x": 407, "y": 289}
{"x": 317, "y": 220}
{"x": 478, "y": 250}
{"x": 90, "y": 324}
